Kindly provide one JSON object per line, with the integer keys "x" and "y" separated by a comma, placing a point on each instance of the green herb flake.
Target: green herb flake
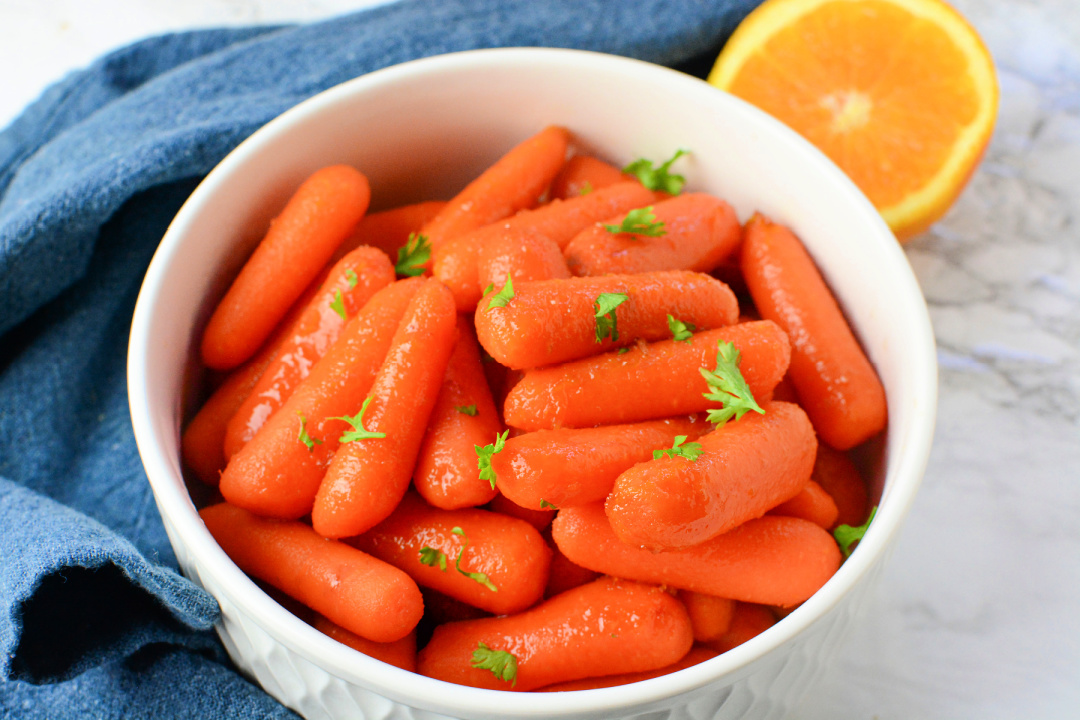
{"x": 690, "y": 451}
{"x": 469, "y": 410}
{"x": 680, "y": 331}
{"x": 350, "y": 276}
{"x": 658, "y": 178}
{"x": 586, "y": 188}
{"x": 846, "y": 536}
{"x": 413, "y": 256}
{"x": 479, "y": 577}
{"x": 641, "y": 221}
{"x": 502, "y": 664}
{"x": 503, "y": 296}
{"x": 432, "y": 557}
{"x": 545, "y": 505}
{"x": 303, "y": 436}
{"x": 728, "y": 387}
{"x": 338, "y": 305}
{"x": 483, "y": 456}
{"x": 606, "y": 322}
{"x": 358, "y": 431}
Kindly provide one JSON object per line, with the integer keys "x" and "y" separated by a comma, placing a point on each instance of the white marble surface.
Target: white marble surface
{"x": 979, "y": 611}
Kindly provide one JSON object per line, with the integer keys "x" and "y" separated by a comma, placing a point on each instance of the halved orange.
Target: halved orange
{"x": 901, "y": 94}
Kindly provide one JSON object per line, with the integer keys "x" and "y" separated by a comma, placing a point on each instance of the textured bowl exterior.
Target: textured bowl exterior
{"x": 420, "y": 130}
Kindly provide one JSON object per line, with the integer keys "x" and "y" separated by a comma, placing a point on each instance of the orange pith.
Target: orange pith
{"x": 899, "y": 93}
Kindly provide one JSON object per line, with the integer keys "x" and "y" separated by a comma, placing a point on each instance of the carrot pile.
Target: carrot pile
{"x": 524, "y": 439}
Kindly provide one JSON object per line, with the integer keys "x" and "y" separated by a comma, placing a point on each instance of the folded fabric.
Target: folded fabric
{"x": 94, "y": 619}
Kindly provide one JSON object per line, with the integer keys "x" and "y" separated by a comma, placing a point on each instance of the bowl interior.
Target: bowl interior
{"x": 421, "y": 131}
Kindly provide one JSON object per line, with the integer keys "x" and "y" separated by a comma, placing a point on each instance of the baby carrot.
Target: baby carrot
{"x": 553, "y": 321}
{"x": 400, "y": 653}
{"x": 748, "y": 621}
{"x": 464, "y": 416}
{"x": 513, "y": 183}
{"x": 835, "y": 381}
{"x": 523, "y": 255}
{"x": 347, "y": 288}
{"x": 745, "y": 468}
{"x": 491, "y": 561}
{"x": 697, "y": 232}
{"x": 811, "y": 503}
{"x": 362, "y": 594}
{"x": 278, "y": 472}
{"x": 388, "y": 230}
{"x": 710, "y": 616}
{"x": 539, "y": 519}
{"x": 583, "y": 174}
{"x": 696, "y": 655}
{"x": 770, "y": 560}
{"x": 838, "y": 476}
{"x": 300, "y": 241}
{"x": 456, "y": 262}
{"x": 647, "y": 382}
{"x": 608, "y": 626}
{"x": 368, "y": 476}
{"x": 568, "y": 467}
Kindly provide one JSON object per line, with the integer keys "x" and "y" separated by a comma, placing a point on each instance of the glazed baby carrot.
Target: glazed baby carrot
{"x": 513, "y": 183}
{"x": 369, "y": 474}
{"x": 695, "y": 656}
{"x": 539, "y": 519}
{"x": 583, "y": 174}
{"x": 400, "y": 653}
{"x": 835, "y": 381}
{"x": 278, "y": 472}
{"x": 491, "y": 561}
{"x": 524, "y": 256}
{"x": 811, "y": 503}
{"x": 300, "y": 241}
{"x": 568, "y": 467}
{"x": 347, "y": 288}
{"x": 456, "y": 262}
{"x": 646, "y": 382}
{"x": 838, "y": 476}
{"x": 748, "y": 621}
{"x": 608, "y": 626}
{"x": 710, "y": 616}
{"x": 745, "y": 467}
{"x": 362, "y": 594}
{"x": 388, "y": 230}
{"x": 553, "y": 321}
{"x": 694, "y": 231}
{"x": 770, "y": 560}
{"x": 464, "y": 416}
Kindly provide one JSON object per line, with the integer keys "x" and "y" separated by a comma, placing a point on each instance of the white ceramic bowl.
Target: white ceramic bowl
{"x": 420, "y": 131}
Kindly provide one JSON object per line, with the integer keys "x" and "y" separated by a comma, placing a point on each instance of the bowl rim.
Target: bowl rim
{"x": 413, "y": 689}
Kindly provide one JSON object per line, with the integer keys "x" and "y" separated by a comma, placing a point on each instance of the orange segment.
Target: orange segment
{"x": 901, "y": 94}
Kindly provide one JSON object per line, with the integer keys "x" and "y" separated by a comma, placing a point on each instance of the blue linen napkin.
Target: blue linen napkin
{"x": 94, "y": 619}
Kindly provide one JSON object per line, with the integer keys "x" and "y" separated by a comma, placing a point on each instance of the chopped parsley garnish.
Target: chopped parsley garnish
{"x": 483, "y": 456}
{"x": 338, "y": 304}
{"x": 658, "y": 178}
{"x": 432, "y": 556}
{"x": 350, "y": 276}
{"x": 469, "y": 410}
{"x": 690, "y": 451}
{"x": 477, "y": 576}
{"x": 846, "y": 536}
{"x": 412, "y": 257}
{"x": 728, "y": 386}
{"x": 503, "y": 296}
{"x": 641, "y": 221}
{"x": 303, "y": 437}
{"x": 680, "y": 331}
{"x": 502, "y": 664}
{"x": 358, "y": 431}
{"x": 606, "y": 322}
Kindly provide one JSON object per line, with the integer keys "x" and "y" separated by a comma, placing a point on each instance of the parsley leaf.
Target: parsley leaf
{"x": 606, "y": 322}
{"x": 338, "y": 304}
{"x": 502, "y": 664}
{"x": 846, "y": 536}
{"x": 432, "y": 556}
{"x": 622, "y": 351}
{"x": 690, "y": 451}
{"x": 680, "y": 331}
{"x": 728, "y": 386}
{"x": 483, "y": 455}
{"x": 469, "y": 410}
{"x": 413, "y": 256}
{"x": 350, "y": 275}
{"x": 658, "y": 178}
{"x": 503, "y": 296}
{"x": 641, "y": 221}
{"x": 585, "y": 189}
{"x": 477, "y": 576}
{"x": 545, "y": 505}
{"x": 489, "y": 288}
{"x": 358, "y": 431}
{"x": 303, "y": 437}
